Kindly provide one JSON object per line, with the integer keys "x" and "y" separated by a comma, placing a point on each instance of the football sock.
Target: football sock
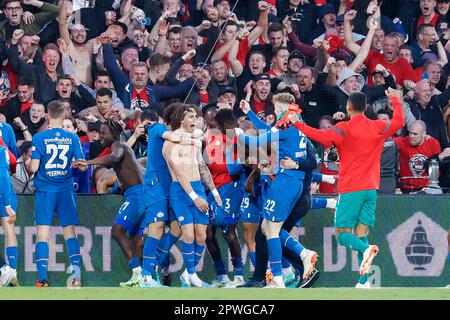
{"x": 42, "y": 260}
{"x": 166, "y": 242}
{"x": 134, "y": 263}
{"x": 317, "y": 203}
{"x": 238, "y": 267}
{"x": 290, "y": 242}
{"x": 73, "y": 251}
{"x": 187, "y": 250}
{"x": 362, "y": 279}
{"x": 252, "y": 256}
{"x": 12, "y": 253}
{"x": 198, "y": 253}
{"x": 285, "y": 263}
{"x": 150, "y": 247}
{"x": 220, "y": 268}
{"x": 274, "y": 248}
{"x": 351, "y": 242}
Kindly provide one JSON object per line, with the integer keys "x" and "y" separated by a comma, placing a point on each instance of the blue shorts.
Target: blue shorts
{"x": 132, "y": 209}
{"x": 62, "y": 202}
{"x": 283, "y": 194}
{"x": 231, "y": 195}
{"x": 185, "y": 210}
{"x": 251, "y": 208}
{"x": 3, "y": 212}
{"x": 157, "y": 205}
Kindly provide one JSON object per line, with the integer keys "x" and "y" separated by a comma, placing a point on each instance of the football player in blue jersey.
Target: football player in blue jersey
{"x": 187, "y": 195}
{"x": 157, "y": 181}
{"x": 53, "y": 152}
{"x": 278, "y": 206}
{"x": 128, "y": 219}
{"x": 8, "y": 207}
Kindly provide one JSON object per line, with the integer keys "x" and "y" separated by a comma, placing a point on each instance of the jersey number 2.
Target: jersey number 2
{"x": 54, "y": 151}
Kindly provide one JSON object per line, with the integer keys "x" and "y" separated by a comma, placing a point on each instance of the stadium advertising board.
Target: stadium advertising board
{"x": 411, "y": 232}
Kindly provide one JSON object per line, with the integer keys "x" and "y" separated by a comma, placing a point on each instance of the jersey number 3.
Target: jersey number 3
{"x": 56, "y": 151}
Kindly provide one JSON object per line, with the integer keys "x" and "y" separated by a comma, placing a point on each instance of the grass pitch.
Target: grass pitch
{"x": 102, "y": 293}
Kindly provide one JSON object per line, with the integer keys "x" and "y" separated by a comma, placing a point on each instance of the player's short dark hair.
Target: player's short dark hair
{"x": 56, "y": 109}
{"x": 115, "y": 128}
{"x": 158, "y": 59}
{"x": 179, "y": 114}
{"x": 384, "y": 111}
{"x": 275, "y": 27}
{"x": 169, "y": 111}
{"x": 102, "y": 73}
{"x": 226, "y": 117}
{"x": 358, "y": 100}
{"x": 149, "y": 114}
{"x": 104, "y": 92}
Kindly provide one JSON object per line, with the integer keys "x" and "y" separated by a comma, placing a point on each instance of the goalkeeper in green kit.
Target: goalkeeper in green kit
{"x": 359, "y": 143}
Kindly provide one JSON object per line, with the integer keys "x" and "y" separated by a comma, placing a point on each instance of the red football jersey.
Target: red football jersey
{"x": 412, "y": 161}
{"x": 215, "y": 150}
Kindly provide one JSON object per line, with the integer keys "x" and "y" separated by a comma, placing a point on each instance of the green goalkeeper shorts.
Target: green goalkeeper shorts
{"x": 356, "y": 207}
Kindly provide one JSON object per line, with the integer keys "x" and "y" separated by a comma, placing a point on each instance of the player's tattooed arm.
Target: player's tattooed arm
{"x": 205, "y": 175}
{"x": 117, "y": 152}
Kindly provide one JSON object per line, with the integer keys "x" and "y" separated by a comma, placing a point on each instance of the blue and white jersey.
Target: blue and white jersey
{"x": 290, "y": 143}
{"x": 8, "y": 137}
{"x": 157, "y": 170}
{"x": 5, "y": 180}
{"x": 55, "y": 149}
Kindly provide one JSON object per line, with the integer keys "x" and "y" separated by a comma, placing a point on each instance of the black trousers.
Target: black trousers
{"x": 262, "y": 255}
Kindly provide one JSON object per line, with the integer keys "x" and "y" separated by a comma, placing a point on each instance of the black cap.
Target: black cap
{"x": 297, "y": 55}
{"x": 262, "y": 76}
{"x": 226, "y": 89}
{"x": 94, "y": 126}
{"x": 326, "y": 9}
{"x": 443, "y": 1}
{"x": 340, "y": 18}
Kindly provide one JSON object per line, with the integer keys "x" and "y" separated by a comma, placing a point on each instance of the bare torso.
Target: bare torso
{"x": 185, "y": 157}
{"x": 127, "y": 169}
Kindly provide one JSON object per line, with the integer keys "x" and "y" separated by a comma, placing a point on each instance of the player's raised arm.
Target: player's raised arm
{"x": 170, "y": 157}
{"x": 117, "y": 152}
{"x": 329, "y": 137}
{"x": 398, "y": 118}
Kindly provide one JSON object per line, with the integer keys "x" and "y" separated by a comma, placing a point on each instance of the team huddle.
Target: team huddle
{"x": 195, "y": 182}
